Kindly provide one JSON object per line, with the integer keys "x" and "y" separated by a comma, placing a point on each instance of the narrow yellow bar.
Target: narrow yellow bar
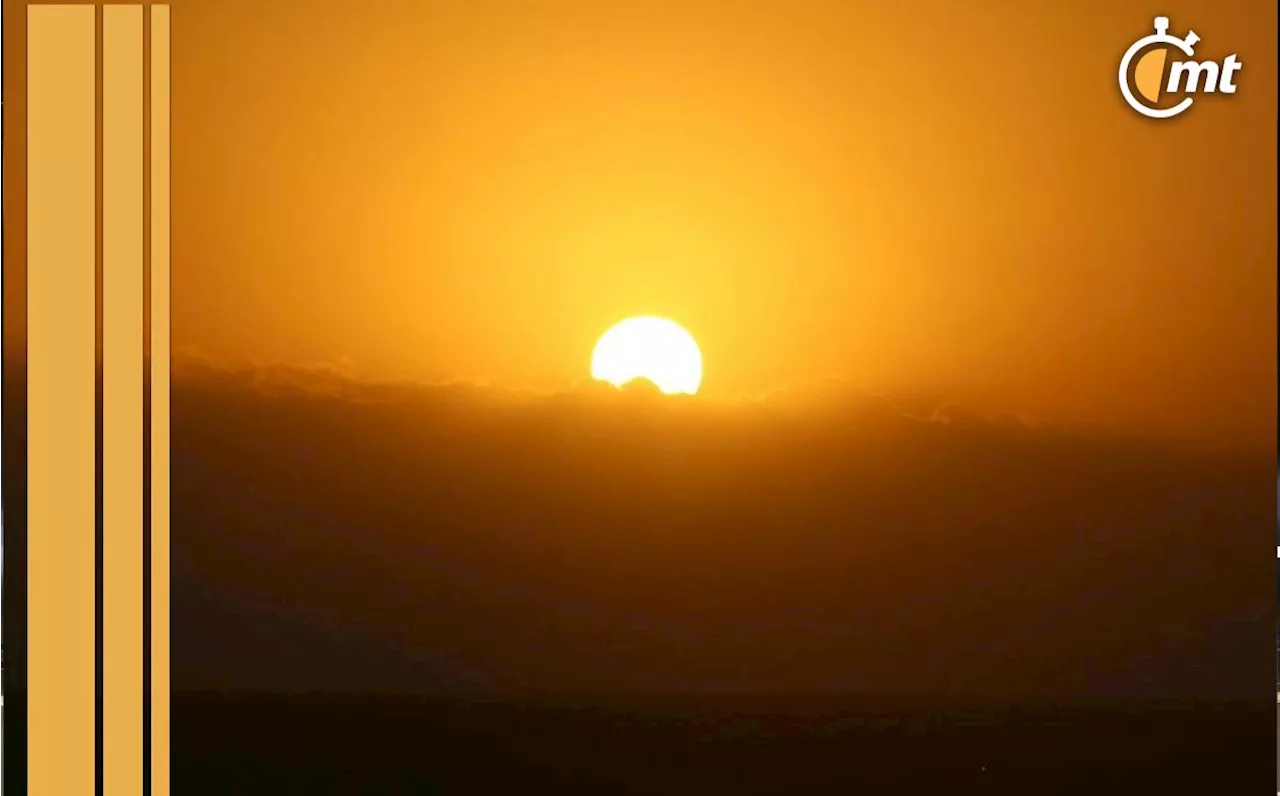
{"x": 160, "y": 400}
{"x": 122, "y": 385}
{"x": 61, "y": 390}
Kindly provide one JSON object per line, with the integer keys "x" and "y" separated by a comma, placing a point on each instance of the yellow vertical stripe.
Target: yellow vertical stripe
{"x": 160, "y": 400}
{"x": 122, "y": 374}
{"x": 60, "y": 400}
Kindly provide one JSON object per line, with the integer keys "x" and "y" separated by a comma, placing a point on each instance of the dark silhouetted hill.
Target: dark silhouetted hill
{"x": 335, "y": 535}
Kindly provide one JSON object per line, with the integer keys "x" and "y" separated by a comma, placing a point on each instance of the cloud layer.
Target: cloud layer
{"x": 337, "y": 534}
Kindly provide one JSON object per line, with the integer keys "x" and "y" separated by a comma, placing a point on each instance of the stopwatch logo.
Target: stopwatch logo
{"x": 1156, "y": 78}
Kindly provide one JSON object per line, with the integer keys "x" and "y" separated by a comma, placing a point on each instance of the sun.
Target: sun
{"x": 656, "y": 349}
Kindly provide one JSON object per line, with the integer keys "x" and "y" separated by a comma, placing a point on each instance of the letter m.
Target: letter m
{"x": 1193, "y": 72}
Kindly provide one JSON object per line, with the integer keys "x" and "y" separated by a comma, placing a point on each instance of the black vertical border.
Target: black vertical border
{"x": 13, "y": 457}
{"x": 97, "y": 401}
{"x": 146, "y": 399}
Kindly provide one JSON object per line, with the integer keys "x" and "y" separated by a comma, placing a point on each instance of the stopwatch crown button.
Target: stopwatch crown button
{"x": 1162, "y": 25}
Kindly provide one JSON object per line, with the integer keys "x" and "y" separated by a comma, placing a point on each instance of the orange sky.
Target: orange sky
{"x": 925, "y": 194}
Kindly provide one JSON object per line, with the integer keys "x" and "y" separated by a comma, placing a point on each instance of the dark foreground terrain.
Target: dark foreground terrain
{"x": 712, "y": 745}
{"x": 342, "y": 541}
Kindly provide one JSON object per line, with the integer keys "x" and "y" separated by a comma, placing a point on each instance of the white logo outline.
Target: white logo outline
{"x": 1161, "y": 36}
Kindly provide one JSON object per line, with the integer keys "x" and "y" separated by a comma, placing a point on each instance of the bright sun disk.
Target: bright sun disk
{"x": 656, "y": 349}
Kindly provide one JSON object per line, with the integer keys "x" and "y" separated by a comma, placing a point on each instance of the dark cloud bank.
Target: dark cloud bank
{"x": 332, "y": 534}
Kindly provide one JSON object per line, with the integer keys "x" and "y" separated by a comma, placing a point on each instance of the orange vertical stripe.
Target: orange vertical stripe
{"x": 160, "y": 400}
{"x": 61, "y": 391}
{"x": 122, "y": 363}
